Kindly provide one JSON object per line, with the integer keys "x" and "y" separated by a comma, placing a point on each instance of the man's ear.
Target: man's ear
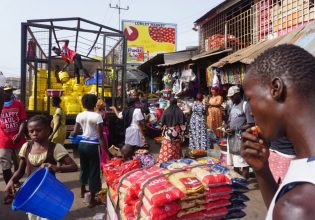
{"x": 278, "y": 89}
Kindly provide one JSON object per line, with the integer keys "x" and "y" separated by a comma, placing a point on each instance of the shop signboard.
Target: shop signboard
{"x": 146, "y": 39}
{"x": 135, "y": 54}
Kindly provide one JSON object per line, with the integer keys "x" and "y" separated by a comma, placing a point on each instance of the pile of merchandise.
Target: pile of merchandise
{"x": 72, "y": 92}
{"x": 114, "y": 169}
{"x": 182, "y": 189}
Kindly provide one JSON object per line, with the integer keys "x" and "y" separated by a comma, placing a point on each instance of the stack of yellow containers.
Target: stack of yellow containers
{"x": 107, "y": 91}
{"x": 41, "y": 90}
{"x": 72, "y": 93}
{"x": 53, "y": 82}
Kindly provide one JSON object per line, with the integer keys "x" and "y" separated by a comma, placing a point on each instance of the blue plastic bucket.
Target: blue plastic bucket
{"x": 43, "y": 195}
{"x": 76, "y": 139}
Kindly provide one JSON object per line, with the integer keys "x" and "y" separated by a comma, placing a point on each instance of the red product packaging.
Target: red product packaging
{"x": 115, "y": 169}
{"x": 164, "y": 212}
{"x": 210, "y": 198}
{"x": 217, "y": 204}
{"x": 219, "y": 190}
{"x": 194, "y": 216}
{"x": 160, "y": 191}
{"x": 216, "y": 213}
{"x": 209, "y": 177}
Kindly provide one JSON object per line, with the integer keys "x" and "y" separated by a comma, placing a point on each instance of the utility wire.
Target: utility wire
{"x": 119, "y": 8}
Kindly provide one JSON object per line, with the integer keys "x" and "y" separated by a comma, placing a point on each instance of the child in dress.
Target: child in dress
{"x": 40, "y": 153}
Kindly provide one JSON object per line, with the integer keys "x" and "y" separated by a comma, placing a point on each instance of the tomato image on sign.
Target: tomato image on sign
{"x": 131, "y": 33}
{"x": 162, "y": 34}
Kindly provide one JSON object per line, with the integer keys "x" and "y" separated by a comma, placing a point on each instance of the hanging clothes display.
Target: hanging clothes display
{"x": 224, "y": 76}
{"x": 242, "y": 72}
{"x": 236, "y": 73}
{"x": 167, "y": 79}
{"x": 209, "y": 76}
{"x": 188, "y": 75}
{"x": 230, "y": 75}
{"x": 215, "y": 81}
{"x": 176, "y": 86}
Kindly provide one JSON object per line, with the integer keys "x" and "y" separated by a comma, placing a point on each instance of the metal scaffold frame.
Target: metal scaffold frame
{"x": 102, "y": 48}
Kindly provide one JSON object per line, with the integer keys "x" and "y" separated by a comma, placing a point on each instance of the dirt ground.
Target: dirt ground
{"x": 255, "y": 207}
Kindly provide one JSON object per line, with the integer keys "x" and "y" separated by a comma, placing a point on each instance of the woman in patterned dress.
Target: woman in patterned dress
{"x": 214, "y": 119}
{"x": 173, "y": 125}
{"x": 198, "y": 138}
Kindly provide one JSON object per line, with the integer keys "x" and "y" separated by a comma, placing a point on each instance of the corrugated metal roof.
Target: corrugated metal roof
{"x": 175, "y": 62}
{"x": 177, "y": 57}
{"x": 168, "y": 59}
{"x": 303, "y": 37}
{"x": 209, "y": 54}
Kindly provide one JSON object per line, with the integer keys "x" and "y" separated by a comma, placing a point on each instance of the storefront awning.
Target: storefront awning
{"x": 174, "y": 62}
{"x": 168, "y": 59}
{"x": 246, "y": 55}
{"x": 134, "y": 76}
{"x": 197, "y": 57}
{"x": 303, "y": 37}
{"x": 147, "y": 66}
{"x": 209, "y": 54}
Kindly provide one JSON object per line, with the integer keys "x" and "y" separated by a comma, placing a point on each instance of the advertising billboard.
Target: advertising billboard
{"x": 146, "y": 39}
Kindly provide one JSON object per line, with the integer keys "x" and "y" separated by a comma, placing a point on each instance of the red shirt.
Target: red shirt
{"x": 67, "y": 54}
{"x": 10, "y": 121}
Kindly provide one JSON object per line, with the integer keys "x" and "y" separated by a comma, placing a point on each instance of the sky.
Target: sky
{"x": 13, "y": 12}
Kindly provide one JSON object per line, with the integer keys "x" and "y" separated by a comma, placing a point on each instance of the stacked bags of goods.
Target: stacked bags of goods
{"x": 114, "y": 169}
{"x": 225, "y": 191}
{"x": 239, "y": 187}
{"x": 157, "y": 193}
{"x": 200, "y": 201}
{"x": 183, "y": 189}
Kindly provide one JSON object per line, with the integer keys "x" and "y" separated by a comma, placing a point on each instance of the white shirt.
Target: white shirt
{"x": 300, "y": 170}
{"x": 133, "y": 135}
{"x": 89, "y": 121}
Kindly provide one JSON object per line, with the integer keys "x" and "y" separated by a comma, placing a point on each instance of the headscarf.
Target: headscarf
{"x": 173, "y": 115}
{"x": 128, "y": 112}
{"x": 215, "y": 88}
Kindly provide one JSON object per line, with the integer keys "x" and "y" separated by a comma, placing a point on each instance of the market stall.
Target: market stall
{"x": 177, "y": 82}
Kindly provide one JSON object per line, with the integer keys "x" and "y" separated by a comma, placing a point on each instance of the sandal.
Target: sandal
{"x": 83, "y": 192}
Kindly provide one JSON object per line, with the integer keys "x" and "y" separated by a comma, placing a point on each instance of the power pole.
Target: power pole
{"x": 119, "y": 9}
